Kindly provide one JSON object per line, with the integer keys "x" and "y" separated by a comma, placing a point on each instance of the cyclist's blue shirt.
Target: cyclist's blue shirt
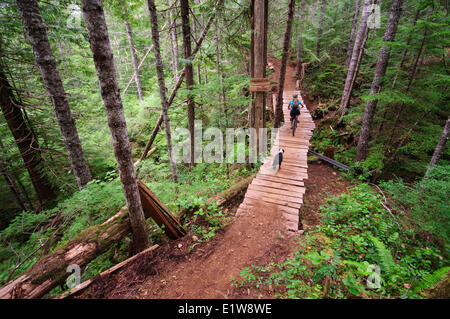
{"x": 291, "y": 102}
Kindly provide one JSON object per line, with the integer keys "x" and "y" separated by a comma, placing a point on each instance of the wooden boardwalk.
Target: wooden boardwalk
{"x": 284, "y": 188}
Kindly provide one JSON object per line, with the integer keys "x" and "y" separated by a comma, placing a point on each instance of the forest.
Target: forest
{"x": 116, "y": 181}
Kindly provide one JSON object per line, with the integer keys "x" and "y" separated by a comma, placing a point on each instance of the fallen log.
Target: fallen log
{"x": 50, "y": 271}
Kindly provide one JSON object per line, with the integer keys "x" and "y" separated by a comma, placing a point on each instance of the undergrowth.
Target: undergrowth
{"x": 365, "y": 249}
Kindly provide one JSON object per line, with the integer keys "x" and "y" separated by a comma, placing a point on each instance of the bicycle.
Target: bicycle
{"x": 294, "y": 126}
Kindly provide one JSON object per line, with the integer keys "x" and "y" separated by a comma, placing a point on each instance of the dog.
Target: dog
{"x": 278, "y": 159}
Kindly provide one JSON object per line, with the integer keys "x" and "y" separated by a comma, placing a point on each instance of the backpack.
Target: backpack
{"x": 295, "y": 103}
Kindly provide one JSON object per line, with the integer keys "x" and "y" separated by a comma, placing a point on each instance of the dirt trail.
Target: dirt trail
{"x": 186, "y": 269}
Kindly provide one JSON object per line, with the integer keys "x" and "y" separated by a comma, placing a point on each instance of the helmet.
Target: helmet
{"x": 295, "y": 96}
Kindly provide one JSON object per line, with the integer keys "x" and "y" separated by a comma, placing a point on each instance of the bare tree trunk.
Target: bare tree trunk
{"x": 134, "y": 58}
{"x": 37, "y": 36}
{"x": 251, "y": 109}
{"x": 354, "y": 65}
{"x": 162, "y": 86}
{"x": 174, "y": 42}
{"x": 320, "y": 30}
{"x": 358, "y": 63}
{"x": 286, "y": 46}
{"x": 441, "y": 144}
{"x": 266, "y": 24}
{"x": 380, "y": 71}
{"x": 189, "y": 71}
{"x": 300, "y": 39}
{"x": 106, "y": 72}
{"x": 28, "y": 146}
{"x": 352, "y": 32}
{"x": 4, "y": 171}
{"x": 221, "y": 98}
{"x": 259, "y": 62}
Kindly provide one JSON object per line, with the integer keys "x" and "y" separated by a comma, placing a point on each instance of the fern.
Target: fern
{"x": 432, "y": 279}
{"x": 385, "y": 259}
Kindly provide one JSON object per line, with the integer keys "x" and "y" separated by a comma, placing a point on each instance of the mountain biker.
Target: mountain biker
{"x": 294, "y": 107}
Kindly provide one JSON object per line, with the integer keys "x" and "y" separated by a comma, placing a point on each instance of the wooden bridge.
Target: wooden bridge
{"x": 284, "y": 188}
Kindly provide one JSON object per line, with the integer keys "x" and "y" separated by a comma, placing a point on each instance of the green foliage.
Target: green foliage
{"x": 356, "y": 235}
{"x": 325, "y": 81}
{"x": 426, "y": 201}
{"x": 384, "y": 256}
{"x": 432, "y": 279}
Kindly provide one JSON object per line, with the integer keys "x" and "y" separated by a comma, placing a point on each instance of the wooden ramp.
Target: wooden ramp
{"x": 284, "y": 188}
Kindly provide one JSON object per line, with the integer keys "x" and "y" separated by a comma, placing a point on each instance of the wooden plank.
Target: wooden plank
{"x": 284, "y": 174}
{"x": 275, "y": 196}
{"x": 260, "y": 80}
{"x": 276, "y": 191}
{"x": 281, "y": 208}
{"x": 295, "y": 170}
{"x": 277, "y": 185}
{"x": 280, "y": 180}
{"x": 291, "y": 219}
{"x": 273, "y": 201}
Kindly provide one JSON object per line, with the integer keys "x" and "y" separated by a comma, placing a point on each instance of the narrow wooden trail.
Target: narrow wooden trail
{"x": 284, "y": 188}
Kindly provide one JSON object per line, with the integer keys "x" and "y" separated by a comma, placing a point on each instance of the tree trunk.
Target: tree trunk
{"x": 174, "y": 42}
{"x": 251, "y": 110}
{"x": 354, "y": 65}
{"x": 259, "y": 63}
{"x": 320, "y": 30}
{"x": 380, "y": 71}
{"x": 162, "y": 86}
{"x": 286, "y": 46}
{"x": 37, "y": 36}
{"x": 221, "y": 96}
{"x": 352, "y": 32}
{"x": 4, "y": 171}
{"x": 300, "y": 39}
{"x": 266, "y": 24}
{"x": 441, "y": 144}
{"x": 189, "y": 71}
{"x": 28, "y": 146}
{"x": 134, "y": 58}
{"x": 106, "y": 72}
